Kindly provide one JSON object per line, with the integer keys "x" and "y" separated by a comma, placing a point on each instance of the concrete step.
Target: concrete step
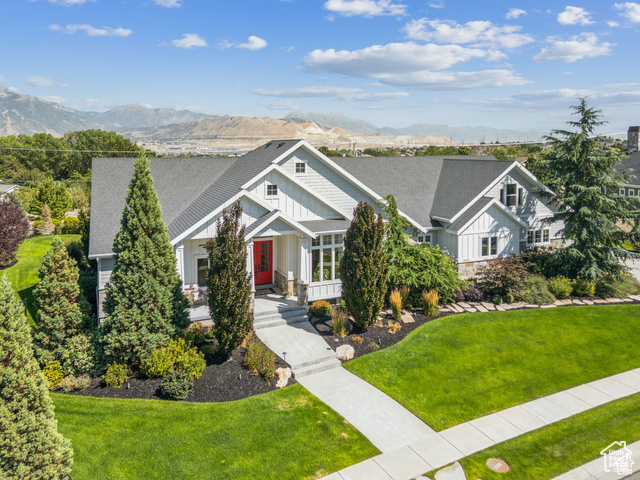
{"x": 275, "y": 322}
{"x": 285, "y": 315}
{"x": 327, "y": 356}
{"x": 326, "y": 364}
{"x": 283, "y": 310}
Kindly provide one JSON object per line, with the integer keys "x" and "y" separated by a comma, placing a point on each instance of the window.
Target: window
{"x": 424, "y": 238}
{"x": 512, "y": 193}
{"x": 301, "y": 168}
{"x": 202, "y": 264}
{"x": 621, "y": 192}
{"x": 326, "y": 253}
{"x": 537, "y": 236}
{"x": 502, "y": 196}
{"x": 489, "y": 246}
{"x": 520, "y": 196}
{"x": 272, "y": 190}
{"x": 632, "y": 192}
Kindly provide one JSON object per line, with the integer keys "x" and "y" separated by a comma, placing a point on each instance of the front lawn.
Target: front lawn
{"x": 461, "y": 367}
{"x": 24, "y": 274}
{"x": 287, "y": 434}
{"x": 560, "y": 447}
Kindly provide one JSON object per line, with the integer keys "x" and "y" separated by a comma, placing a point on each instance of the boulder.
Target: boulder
{"x": 452, "y": 472}
{"x": 406, "y": 317}
{"x": 284, "y": 374}
{"x": 345, "y": 352}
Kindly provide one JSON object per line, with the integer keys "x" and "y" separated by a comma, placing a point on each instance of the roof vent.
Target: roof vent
{"x": 280, "y": 144}
{"x": 267, "y": 145}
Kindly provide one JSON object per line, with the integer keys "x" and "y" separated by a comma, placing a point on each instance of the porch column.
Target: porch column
{"x": 180, "y": 262}
{"x": 305, "y": 274}
{"x": 250, "y": 265}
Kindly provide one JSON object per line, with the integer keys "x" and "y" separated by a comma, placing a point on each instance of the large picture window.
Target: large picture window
{"x": 538, "y": 236}
{"x": 489, "y": 246}
{"x": 326, "y": 252}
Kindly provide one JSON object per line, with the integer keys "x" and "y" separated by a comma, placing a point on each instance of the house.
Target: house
{"x": 297, "y": 205}
{"x": 6, "y": 189}
{"x": 631, "y": 163}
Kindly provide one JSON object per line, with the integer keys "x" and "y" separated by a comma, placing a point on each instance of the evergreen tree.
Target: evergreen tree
{"x": 46, "y": 224}
{"x": 228, "y": 282}
{"x": 395, "y": 242}
{"x": 14, "y": 228}
{"x": 144, "y": 300}
{"x": 58, "y": 303}
{"x": 582, "y": 174}
{"x": 364, "y": 267}
{"x": 53, "y": 194}
{"x": 30, "y": 445}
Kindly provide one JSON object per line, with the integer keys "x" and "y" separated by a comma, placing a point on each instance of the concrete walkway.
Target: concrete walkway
{"x": 448, "y": 446}
{"x": 595, "y": 470}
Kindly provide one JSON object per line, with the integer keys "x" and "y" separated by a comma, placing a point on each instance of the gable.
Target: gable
{"x": 493, "y": 219}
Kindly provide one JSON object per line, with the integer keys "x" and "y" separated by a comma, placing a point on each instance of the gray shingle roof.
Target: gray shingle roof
{"x": 476, "y": 208}
{"x": 319, "y": 226}
{"x": 631, "y": 162}
{"x": 417, "y": 182}
{"x": 261, "y": 221}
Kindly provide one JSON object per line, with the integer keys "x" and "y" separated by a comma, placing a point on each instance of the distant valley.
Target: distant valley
{"x": 180, "y": 131}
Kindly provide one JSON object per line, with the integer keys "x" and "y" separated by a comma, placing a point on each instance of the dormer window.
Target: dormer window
{"x": 272, "y": 190}
{"x": 301, "y": 168}
{"x": 512, "y": 195}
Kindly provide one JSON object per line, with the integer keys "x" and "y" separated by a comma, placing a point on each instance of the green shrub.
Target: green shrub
{"x": 195, "y": 334}
{"x": 71, "y": 225}
{"x": 561, "y": 286}
{"x": 57, "y": 225}
{"x": 584, "y": 288}
{"x": 508, "y": 298}
{"x": 72, "y": 383}
{"x": 178, "y": 356}
{"x": 405, "y": 292}
{"x": 176, "y": 386}
{"x": 209, "y": 349}
{"x": 622, "y": 287}
{"x": 260, "y": 360}
{"x": 430, "y": 305}
{"x": 357, "y": 340}
{"x": 340, "y": 323}
{"x": 537, "y": 291}
{"x": 343, "y": 306}
{"x": 373, "y": 346}
{"x": 54, "y": 374}
{"x": 77, "y": 355}
{"x": 395, "y": 300}
{"x": 116, "y": 375}
{"x": 497, "y": 299}
{"x": 321, "y": 308}
{"x": 503, "y": 275}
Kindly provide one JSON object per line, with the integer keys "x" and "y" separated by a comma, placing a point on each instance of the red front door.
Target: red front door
{"x": 262, "y": 261}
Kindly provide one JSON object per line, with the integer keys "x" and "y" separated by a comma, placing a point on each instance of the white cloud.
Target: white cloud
{"x": 169, "y": 3}
{"x": 629, "y": 10}
{"x": 556, "y": 94}
{"x": 280, "y": 105}
{"x": 454, "y": 80}
{"x": 305, "y": 92}
{"x": 574, "y": 16}
{"x": 37, "y": 81}
{"x": 253, "y": 43}
{"x": 188, "y": 40}
{"x": 366, "y": 8}
{"x": 437, "y": 5}
{"x": 378, "y": 96}
{"x": 93, "y": 31}
{"x": 515, "y": 13}
{"x": 585, "y": 45}
{"x": 85, "y": 104}
{"x": 478, "y": 33}
{"x": 613, "y": 24}
{"x": 68, "y": 3}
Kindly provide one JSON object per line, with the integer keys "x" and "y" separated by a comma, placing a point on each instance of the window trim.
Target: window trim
{"x": 491, "y": 242}
{"x": 269, "y": 187}
{"x": 621, "y": 192}
{"x": 511, "y": 197}
{"x": 539, "y": 236}
{"x": 300, "y": 164}
{"x": 320, "y": 247}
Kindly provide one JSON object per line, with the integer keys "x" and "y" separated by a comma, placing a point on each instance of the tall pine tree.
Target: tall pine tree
{"x": 144, "y": 300}
{"x": 228, "y": 282}
{"x": 58, "y": 302}
{"x": 364, "y": 266}
{"x": 583, "y": 176}
{"x": 30, "y": 445}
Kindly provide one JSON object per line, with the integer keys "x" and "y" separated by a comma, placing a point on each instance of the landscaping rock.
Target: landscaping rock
{"x": 471, "y": 310}
{"x": 518, "y": 305}
{"x": 345, "y": 352}
{"x": 488, "y": 306}
{"x": 613, "y": 300}
{"x": 588, "y": 302}
{"x": 284, "y": 374}
{"x": 464, "y": 305}
{"x": 482, "y": 309}
{"x": 548, "y": 306}
{"x": 452, "y": 472}
{"x": 407, "y": 317}
{"x": 457, "y": 308}
{"x": 599, "y": 301}
{"x": 577, "y": 302}
{"x": 531, "y": 306}
{"x": 323, "y": 328}
{"x": 635, "y": 297}
{"x": 500, "y": 308}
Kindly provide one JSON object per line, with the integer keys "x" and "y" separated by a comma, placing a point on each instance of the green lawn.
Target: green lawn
{"x": 24, "y": 274}
{"x": 560, "y": 447}
{"x": 461, "y": 367}
{"x": 286, "y": 434}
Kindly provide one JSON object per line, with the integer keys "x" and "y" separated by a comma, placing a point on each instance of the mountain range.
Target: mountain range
{"x": 25, "y": 114}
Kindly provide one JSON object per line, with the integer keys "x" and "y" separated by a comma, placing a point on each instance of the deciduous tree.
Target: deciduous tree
{"x": 228, "y": 282}
{"x": 14, "y": 228}
{"x": 144, "y": 300}
{"x": 30, "y": 445}
{"x": 364, "y": 266}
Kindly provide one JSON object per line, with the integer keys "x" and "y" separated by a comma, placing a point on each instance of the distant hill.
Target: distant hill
{"x": 25, "y": 114}
{"x": 457, "y": 134}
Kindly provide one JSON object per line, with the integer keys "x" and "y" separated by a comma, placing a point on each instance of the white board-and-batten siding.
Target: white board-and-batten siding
{"x": 492, "y": 223}
{"x": 105, "y": 267}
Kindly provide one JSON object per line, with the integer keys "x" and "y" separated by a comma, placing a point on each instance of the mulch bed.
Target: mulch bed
{"x": 223, "y": 380}
{"x": 378, "y": 334}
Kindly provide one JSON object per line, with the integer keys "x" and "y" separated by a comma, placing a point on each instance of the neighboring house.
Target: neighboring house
{"x": 7, "y": 189}
{"x": 631, "y": 163}
{"x": 297, "y": 205}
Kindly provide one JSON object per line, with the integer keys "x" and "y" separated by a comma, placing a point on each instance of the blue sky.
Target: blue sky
{"x": 391, "y": 62}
